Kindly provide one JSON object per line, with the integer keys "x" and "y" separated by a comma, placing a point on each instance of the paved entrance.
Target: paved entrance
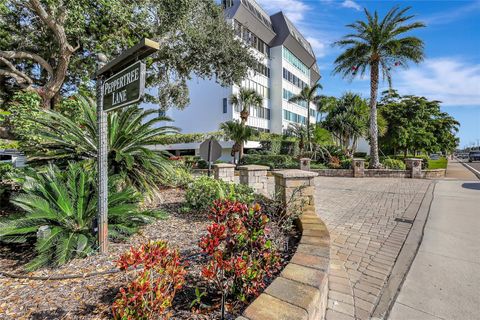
{"x": 365, "y": 236}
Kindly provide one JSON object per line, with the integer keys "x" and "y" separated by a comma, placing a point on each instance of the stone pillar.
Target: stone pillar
{"x": 358, "y": 166}
{"x": 296, "y": 187}
{"x": 255, "y": 177}
{"x": 305, "y": 164}
{"x": 414, "y": 165}
{"x": 224, "y": 171}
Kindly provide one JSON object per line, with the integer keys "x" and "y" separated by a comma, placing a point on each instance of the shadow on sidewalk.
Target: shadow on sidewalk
{"x": 472, "y": 185}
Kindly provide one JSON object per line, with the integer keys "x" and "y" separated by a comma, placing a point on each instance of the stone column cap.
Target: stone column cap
{"x": 358, "y": 159}
{"x": 295, "y": 173}
{"x": 414, "y": 159}
{"x": 306, "y": 159}
{"x": 224, "y": 165}
{"x": 253, "y": 167}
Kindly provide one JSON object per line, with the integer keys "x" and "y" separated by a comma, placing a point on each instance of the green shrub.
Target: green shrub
{"x": 423, "y": 157}
{"x": 61, "y": 204}
{"x": 180, "y": 176}
{"x": 346, "y": 164}
{"x": 5, "y": 169}
{"x": 274, "y": 161}
{"x": 204, "y": 190}
{"x": 394, "y": 164}
{"x": 315, "y": 165}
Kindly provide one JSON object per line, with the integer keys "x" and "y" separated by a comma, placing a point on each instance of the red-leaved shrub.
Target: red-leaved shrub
{"x": 241, "y": 257}
{"x": 151, "y": 292}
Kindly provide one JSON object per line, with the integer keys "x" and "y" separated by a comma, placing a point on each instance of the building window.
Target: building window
{"x": 294, "y": 61}
{"x": 260, "y": 89}
{"x": 293, "y": 117}
{"x": 287, "y": 95}
{"x": 225, "y": 105}
{"x": 262, "y": 69}
{"x": 227, "y": 3}
{"x": 250, "y": 38}
{"x": 290, "y": 77}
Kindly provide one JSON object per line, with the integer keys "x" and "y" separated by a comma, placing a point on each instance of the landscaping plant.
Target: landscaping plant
{"x": 60, "y": 211}
{"x": 130, "y": 134}
{"x": 151, "y": 292}
{"x": 204, "y": 190}
{"x": 241, "y": 256}
{"x": 394, "y": 164}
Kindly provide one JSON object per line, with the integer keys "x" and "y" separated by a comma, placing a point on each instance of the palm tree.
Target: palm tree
{"x": 239, "y": 133}
{"x": 246, "y": 98}
{"x": 348, "y": 120}
{"x": 324, "y": 105}
{"x": 130, "y": 134}
{"x": 308, "y": 95}
{"x": 377, "y": 46}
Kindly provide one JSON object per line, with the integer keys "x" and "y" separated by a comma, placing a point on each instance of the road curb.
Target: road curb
{"x": 473, "y": 170}
{"x": 405, "y": 258}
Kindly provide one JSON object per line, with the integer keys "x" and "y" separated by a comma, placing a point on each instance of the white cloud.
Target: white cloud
{"x": 351, "y": 4}
{"x": 318, "y": 46}
{"x": 450, "y": 80}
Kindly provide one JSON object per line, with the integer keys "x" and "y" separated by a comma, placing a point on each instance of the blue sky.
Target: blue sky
{"x": 450, "y": 72}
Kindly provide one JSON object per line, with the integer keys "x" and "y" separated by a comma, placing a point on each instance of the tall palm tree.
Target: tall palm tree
{"x": 378, "y": 46}
{"x": 245, "y": 99}
{"x": 239, "y": 133}
{"x": 324, "y": 104}
{"x": 308, "y": 95}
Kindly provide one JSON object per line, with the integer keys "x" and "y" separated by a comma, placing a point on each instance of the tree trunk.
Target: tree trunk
{"x": 374, "y": 159}
{"x": 240, "y": 153}
{"x": 244, "y": 115}
{"x": 309, "y": 145}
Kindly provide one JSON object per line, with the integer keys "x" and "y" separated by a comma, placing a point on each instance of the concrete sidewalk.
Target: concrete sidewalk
{"x": 457, "y": 171}
{"x": 444, "y": 280}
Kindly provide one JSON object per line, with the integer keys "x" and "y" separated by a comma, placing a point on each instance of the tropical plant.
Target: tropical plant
{"x": 348, "y": 120}
{"x": 378, "y": 46}
{"x": 239, "y": 133}
{"x": 394, "y": 164}
{"x": 60, "y": 209}
{"x": 240, "y": 255}
{"x": 151, "y": 293}
{"x": 324, "y": 105}
{"x": 308, "y": 95}
{"x": 131, "y": 133}
{"x": 245, "y": 99}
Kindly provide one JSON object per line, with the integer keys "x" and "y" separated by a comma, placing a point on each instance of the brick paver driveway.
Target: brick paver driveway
{"x": 365, "y": 237}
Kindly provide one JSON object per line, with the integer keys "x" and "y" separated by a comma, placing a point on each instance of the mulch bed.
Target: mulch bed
{"x": 91, "y": 298}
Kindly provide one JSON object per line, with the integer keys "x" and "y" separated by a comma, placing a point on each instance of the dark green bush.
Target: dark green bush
{"x": 346, "y": 164}
{"x": 274, "y": 161}
{"x": 5, "y": 169}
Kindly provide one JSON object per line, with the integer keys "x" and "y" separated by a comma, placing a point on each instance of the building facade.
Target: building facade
{"x": 286, "y": 64}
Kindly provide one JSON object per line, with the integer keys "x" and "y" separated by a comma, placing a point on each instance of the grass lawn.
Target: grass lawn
{"x": 438, "y": 164}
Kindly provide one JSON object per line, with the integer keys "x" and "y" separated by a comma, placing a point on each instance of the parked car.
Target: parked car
{"x": 473, "y": 156}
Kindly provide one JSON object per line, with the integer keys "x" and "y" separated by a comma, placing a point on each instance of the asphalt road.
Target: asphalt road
{"x": 475, "y": 165}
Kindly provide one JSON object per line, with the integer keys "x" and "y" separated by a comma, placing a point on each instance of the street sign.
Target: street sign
{"x": 125, "y": 87}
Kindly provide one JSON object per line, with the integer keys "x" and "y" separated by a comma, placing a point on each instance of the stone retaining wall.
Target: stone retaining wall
{"x": 334, "y": 172}
{"x": 300, "y": 292}
{"x": 387, "y": 173}
{"x": 434, "y": 173}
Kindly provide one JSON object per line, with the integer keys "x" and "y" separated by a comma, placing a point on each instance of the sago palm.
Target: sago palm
{"x": 245, "y": 99}
{"x": 239, "y": 133}
{"x": 60, "y": 208}
{"x": 308, "y": 95}
{"x": 378, "y": 46}
{"x": 131, "y": 133}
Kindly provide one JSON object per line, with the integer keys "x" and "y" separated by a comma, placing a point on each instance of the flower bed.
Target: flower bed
{"x": 92, "y": 297}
